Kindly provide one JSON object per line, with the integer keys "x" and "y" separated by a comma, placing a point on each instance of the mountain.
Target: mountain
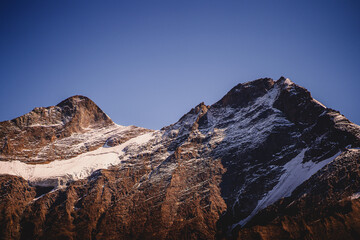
{"x": 267, "y": 161}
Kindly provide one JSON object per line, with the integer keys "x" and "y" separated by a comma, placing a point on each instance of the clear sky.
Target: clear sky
{"x": 148, "y": 62}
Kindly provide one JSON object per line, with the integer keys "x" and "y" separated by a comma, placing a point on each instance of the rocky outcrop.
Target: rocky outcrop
{"x": 267, "y": 161}
{"x": 15, "y": 195}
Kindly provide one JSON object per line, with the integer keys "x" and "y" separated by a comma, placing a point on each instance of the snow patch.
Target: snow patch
{"x": 59, "y": 172}
{"x": 47, "y": 125}
{"x": 77, "y": 142}
{"x": 288, "y": 82}
{"x": 355, "y": 196}
{"x": 295, "y": 174}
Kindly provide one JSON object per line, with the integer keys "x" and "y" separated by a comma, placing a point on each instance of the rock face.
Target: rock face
{"x": 267, "y": 161}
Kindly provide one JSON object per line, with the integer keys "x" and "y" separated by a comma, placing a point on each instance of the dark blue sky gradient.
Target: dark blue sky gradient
{"x": 147, "y": 63}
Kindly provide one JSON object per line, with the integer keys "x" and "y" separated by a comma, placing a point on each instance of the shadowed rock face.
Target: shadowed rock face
{"x": 324, "y": 207}
{"x": 251, "y": 166}
{"x": 242, "y": 94}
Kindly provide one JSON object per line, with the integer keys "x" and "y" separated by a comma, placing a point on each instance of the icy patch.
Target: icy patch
{"x": 295, "y": 174}
{"x": 354, "y": 148}
{"x": 106, "y": 145}
{"x": 53, "y": 190}
{"x": 355, "y": 196}
{"x": 288, "y": 82}
{"x": 59, "y": 172}
{"x": 216, "y": 136}
{"x": 47, "y": 125}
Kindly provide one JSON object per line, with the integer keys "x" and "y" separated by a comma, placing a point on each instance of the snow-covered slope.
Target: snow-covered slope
{"x": 295, "y": 173}
{"x": 59, "y": 172}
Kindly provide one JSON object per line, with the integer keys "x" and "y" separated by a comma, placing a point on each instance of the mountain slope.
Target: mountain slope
{"x": 324, "y": 207}
{"x": 47, "y": 145}
{"x": 221, "y": 171}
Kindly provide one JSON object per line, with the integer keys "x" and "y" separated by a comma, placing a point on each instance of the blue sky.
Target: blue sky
{"x": 147, "y": 63}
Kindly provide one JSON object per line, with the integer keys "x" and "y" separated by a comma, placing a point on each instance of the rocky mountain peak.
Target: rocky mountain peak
{"x": 25, "y": 137}
{"x": 297, "y": 103}
{"x": 83, "y": 112}
{"x": 243, "y": 93}
{"x": 202, "y": 108}
{"x": 76, "y": 112}
{"x": 74, "y": 100}
{"x": 254, "y": 165}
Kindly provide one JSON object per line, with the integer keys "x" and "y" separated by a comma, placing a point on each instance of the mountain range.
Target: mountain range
{"x": 267, "y": 161}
